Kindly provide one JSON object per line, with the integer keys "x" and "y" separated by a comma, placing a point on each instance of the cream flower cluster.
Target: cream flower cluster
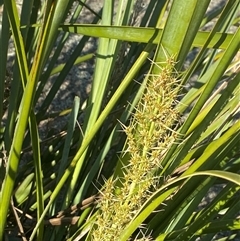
{"x": 149, "y": 135}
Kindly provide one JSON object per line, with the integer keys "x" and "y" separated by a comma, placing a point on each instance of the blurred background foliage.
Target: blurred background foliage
{"x": 57, "y": 166}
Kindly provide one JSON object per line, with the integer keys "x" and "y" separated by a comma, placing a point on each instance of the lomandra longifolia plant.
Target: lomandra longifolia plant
{"x": 149, "y": 135}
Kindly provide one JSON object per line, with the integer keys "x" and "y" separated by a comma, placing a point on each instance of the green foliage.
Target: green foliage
{"x": 152, "y": 142}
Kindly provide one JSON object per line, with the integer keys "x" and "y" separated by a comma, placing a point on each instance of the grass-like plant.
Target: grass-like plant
{"x": 154, "y": 140}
